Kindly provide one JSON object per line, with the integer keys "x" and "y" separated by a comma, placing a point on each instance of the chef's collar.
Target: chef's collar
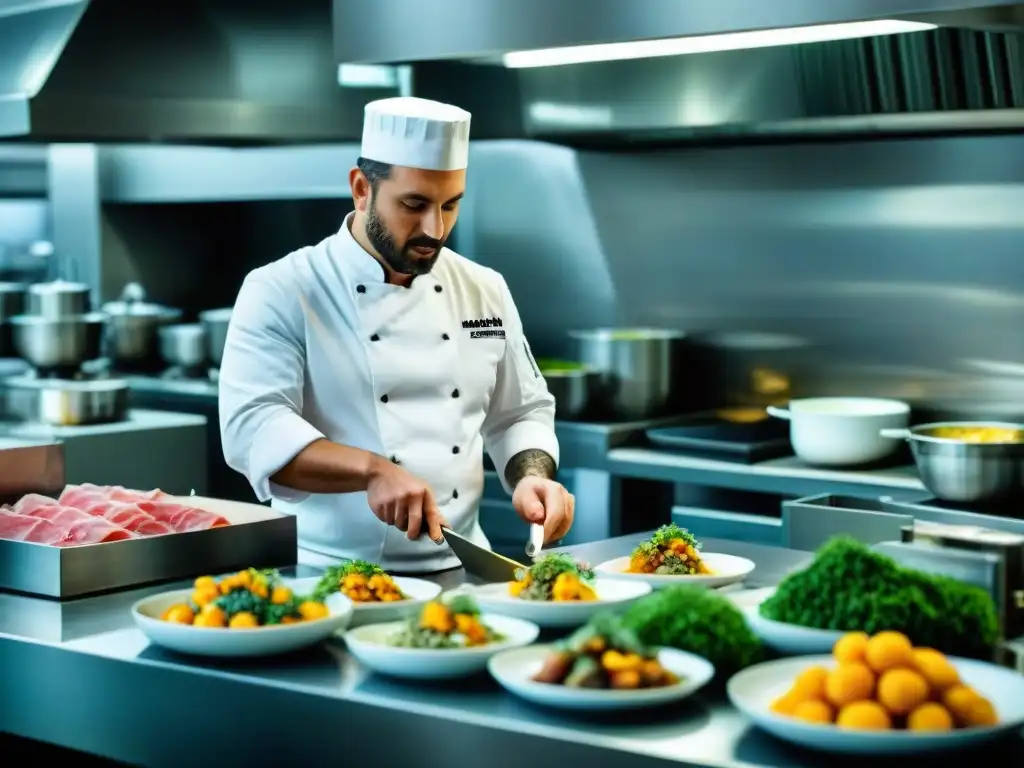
{"x": 360, "y": 264}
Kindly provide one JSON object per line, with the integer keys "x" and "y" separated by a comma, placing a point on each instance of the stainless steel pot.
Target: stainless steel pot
{"x": 62, "y": 403}
{"x": 58, "y": 299}
{"x": 12, "y": 303}
{"x": 637, "y": 369}
{"x": 132, "y": 328}
{"x": 63, "y": 342}
{"x": 184, "y": 345}
{"x": 215, "y": 321}
{"x": 573, "y": 388}
{"x": 963, "y": 472}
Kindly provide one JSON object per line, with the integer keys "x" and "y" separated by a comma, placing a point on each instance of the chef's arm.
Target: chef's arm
{"x": 519, "y": 428}
{"x": 261, "y": 387}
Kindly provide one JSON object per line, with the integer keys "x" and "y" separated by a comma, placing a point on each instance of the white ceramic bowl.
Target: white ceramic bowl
{"x": 728, "y": 569}
{"x": 754, "y": 689}
{"x": 515, "y": 669}
{"x": 843, "y": 431}
{"x": 613, "y": 595}
{"x": 370, "y": 645}
{"x": 790, "y": 639}
{"x": 420, "y": 593}
{"x": 226, "y": 643}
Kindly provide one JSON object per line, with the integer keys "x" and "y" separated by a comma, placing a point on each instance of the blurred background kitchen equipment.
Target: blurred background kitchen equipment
{"x": 842, "y": 431}
{"x": 638, "y": 370}
{"x": 573, "y": 386}
{"x": 959, "y": 470}
{"x": 62, "y": 403}
{"x": 12, "y": 303}
{"x": 132, "y": 325}
{"x": 58, "y": 299}
{"x": 58, "y": 344}
{"x": 216, "y": 321}
{"x": 183, "y": 346}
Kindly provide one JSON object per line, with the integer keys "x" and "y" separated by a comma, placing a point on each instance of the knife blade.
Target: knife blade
{"x": 480, "y": 562}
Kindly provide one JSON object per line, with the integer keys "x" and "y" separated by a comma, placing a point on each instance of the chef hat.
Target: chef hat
{"x": 416, "y": 133}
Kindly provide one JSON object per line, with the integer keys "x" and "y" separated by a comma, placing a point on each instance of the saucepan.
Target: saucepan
{"x": 842, "y": 431}
{"x": 571, "y": 384}
{"x": 216, "y": 321}
{"x": 972, "y": 462}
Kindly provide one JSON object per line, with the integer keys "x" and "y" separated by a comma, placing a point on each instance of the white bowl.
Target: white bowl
{"x": 613, "y": 595}
{"x": 728, "y": 569}
{"x": 226, "y": 643}
{"x": 515, "y": 669}
{"x": 370, "y": 645}
{"x": 420, "y": 593}
{"x": 754, "y": 689}
{"x": 842, "y": 431}
{"x": 790, "y": 639}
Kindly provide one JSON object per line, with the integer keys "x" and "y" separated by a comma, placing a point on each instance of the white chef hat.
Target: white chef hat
{"x": 416, "y": 133}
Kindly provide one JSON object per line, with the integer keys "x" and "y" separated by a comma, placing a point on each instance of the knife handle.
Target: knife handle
{"x": 536, "y": 542}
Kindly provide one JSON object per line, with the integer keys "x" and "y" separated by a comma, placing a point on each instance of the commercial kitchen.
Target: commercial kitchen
{"x": 767, "y": 256}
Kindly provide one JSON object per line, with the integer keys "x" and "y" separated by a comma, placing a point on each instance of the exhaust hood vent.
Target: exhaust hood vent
{"x": 209, "y": 71}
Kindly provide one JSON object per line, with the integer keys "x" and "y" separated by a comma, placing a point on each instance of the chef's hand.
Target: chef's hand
{"x": 538, "y": 500}
{"x": 401, "y": 499}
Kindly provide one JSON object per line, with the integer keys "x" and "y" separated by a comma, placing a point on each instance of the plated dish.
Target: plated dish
{"x": 249, "y": 613}
{"x": 673, "y": 555}
{"x": 557, "y": 592}
{"x": 448, "y": 638}
{"x": 880, "y": 695}
{"x": 602, "y": 666}
{"x": 376, "y": 595}
{"x": 790, "y": 639}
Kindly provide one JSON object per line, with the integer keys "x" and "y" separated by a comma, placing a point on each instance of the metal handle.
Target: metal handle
{"x": 778, "y": 413}
{"x": 895, "y": 434}
{"x": 536, "y": 542}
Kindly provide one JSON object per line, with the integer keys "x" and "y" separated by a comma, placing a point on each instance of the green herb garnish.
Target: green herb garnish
{"x": 330, "y": 582}
{"x": 543, "y": 573}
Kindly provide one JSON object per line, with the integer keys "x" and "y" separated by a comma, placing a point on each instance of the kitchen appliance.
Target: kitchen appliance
{"x": 58, "y": 299}
{"x": 842, "y": 431}
{"x": 966, "y": 472}
{"x": 638, "y": 370}
{"x": 12, "y": 303}
{"x": 480, "y": 562}
{"x": 216, "y": 321}
{"x": 132, "y": 328}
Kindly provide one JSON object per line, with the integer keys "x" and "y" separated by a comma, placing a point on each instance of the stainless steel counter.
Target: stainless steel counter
{"x": 79, "y": 675}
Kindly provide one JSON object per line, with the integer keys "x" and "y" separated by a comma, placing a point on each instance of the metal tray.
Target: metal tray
{"x": 713, "y": 437}
{"x": 258, "y": 536}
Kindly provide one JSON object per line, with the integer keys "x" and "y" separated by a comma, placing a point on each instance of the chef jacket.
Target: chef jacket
{"x": 320, "y": 346}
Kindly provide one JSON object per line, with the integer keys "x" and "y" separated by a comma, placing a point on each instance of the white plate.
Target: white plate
{"x": 613, "y": 595}
{"x": 420, "y": 593}
{"x": 223, "y": 642}
{"x": 790, "y": 639}
{"x": 754, "y": 689}
{"x": 515, "y": 669}
{"x": 370, "y": 644}
{"x": 728, "y": 569}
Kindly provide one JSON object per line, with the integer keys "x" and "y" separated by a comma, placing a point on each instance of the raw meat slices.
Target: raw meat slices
{"x": 80, "y": 527}
{"x": 127, "y": 515}
{"x": 182, "y": 518}
{"x": 31, "y": 529}
{"x": 156, "y": 505}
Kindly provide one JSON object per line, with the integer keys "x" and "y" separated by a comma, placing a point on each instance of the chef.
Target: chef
{"x": 364, "y": 376}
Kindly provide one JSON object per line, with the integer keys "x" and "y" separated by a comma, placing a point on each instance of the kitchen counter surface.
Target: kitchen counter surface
{"x": 78, "y": 674}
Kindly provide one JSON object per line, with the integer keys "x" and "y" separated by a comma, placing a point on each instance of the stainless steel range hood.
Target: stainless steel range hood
{"x": 206, "y": 71}
{"x": 403, "y": 30}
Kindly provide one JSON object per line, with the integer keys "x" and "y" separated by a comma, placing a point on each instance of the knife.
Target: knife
{"x": 536, "y": 542}
{"x": 480, "y": 562}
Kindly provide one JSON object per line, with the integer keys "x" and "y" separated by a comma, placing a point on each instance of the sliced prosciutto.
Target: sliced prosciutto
{"x": 105, "y": 501}
{"x": 88, "y": 492}
{"x": 126, "y": 515}
{"x": 80, "y": 527}
{"x": 34, "y": 530}
{"x": 182, "y": 518}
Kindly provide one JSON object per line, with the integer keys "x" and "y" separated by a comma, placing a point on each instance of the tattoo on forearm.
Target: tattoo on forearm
{"x": 529, "y": 463}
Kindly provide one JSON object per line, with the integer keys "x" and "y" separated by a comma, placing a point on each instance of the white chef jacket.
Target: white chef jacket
{"x": 320, "y": 345}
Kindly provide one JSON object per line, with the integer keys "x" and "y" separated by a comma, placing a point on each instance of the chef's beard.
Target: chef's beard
{"x": 400, "y": 259}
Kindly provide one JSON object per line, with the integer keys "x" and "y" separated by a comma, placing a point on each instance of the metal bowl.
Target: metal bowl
{"x": 572, "y": 387}
{"x": 63, "y": 403}
{"x": 963, "y": 472}
{"x": 58, "y": 299}
{"x": 216, "y": 321}
{"x": 58, "y": 342}
{"x": 637, "y": 369}
{"x": 183, "y": 345}
{"x": 132, "y": 329}
{"x": 12, "y": 303}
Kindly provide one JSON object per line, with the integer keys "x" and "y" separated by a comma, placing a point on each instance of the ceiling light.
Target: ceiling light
{"x": 677, "y": 46}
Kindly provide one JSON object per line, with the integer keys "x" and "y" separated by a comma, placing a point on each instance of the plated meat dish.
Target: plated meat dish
{"x": 455, "y": 623}
{"x": 360, "y": 582}
{"x": 671, "y": 551}
{"x": 604, "y": 654}
{"x": 94, "y": 514}
{"x": 249, "y": 599}
{"x": 882, "y": 683}
{"x": 555, "y": 578}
